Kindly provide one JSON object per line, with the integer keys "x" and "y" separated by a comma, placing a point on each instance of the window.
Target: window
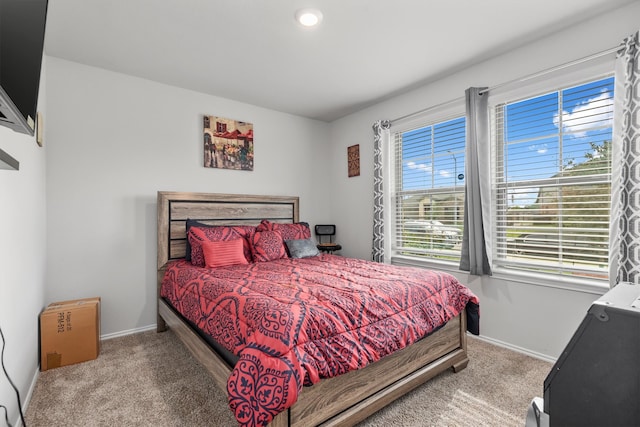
{"x": 428, "y": 197}
{"x": 552, "y": 187}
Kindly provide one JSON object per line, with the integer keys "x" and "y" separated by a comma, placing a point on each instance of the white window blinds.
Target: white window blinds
{"x": 553, "y": 180}
{"x": 429, "y": 190}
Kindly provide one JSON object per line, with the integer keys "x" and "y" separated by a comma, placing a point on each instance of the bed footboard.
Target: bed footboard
{"x": 350, "y": 398}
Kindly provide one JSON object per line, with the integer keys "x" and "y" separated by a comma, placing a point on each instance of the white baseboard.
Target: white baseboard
{"x": 499, "y": 343}
{"x": 27, "y": 398}
{"x": 127, "y": 332}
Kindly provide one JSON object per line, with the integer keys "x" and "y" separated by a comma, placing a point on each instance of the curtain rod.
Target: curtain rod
{"x": 519, "y": 80}
{"x": 554, "y": 69}
{"x": 433, "y": 107}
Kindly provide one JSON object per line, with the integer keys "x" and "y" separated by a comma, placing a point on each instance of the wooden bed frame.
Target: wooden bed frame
{"x": 343, "y": 400}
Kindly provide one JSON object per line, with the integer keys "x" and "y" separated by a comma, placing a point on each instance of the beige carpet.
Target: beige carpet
{"x": 149, "y": 379}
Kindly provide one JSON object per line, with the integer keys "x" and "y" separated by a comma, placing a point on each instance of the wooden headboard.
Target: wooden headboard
{"x": 174, "y": 208}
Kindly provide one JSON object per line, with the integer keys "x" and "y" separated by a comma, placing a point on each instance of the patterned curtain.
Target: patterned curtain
{"x": 475, "y": 256}
{"x": 380, "y": 139}
{"x": 624, "y": 232}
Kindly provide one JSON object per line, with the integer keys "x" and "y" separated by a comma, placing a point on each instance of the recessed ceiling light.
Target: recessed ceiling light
{"x": 309, "y": 17}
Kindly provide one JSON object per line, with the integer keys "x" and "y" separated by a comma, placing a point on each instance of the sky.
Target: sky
{"x": 555, "y": 141}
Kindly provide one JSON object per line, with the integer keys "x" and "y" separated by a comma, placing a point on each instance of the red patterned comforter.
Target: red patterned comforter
{"x": 295, "y": 321}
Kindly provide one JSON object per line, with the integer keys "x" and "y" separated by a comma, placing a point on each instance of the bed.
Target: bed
{"x": 339, "y": 400}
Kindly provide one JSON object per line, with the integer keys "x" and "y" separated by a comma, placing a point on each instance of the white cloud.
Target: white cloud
{"x": 539, "y": 148}
{"x": 588, "y": 115}
{"x": 421, "y": 166}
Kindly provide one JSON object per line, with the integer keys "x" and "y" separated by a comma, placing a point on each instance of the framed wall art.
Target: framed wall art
{"x": 228, "y": 144}
{"x": 353, "y": 160}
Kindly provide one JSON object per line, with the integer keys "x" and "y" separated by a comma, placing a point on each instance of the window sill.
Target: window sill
{"x": 448, "y": 266}
{"x": 584, "y": 285}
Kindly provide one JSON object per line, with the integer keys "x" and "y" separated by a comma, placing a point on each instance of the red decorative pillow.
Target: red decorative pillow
{"x": 267, "y": 246}
{"x": 220, "y": 254}
{"x": 298, "y": 230}
{"x": 197, "y": 235}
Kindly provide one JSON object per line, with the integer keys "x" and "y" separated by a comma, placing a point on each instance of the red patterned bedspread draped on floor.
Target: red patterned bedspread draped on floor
{"x": 295, "y": 321}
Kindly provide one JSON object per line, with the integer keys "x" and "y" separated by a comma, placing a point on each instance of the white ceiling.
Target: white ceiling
{"x": 253, "y": 51}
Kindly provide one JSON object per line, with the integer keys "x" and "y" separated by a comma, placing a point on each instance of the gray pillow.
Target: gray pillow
{"x": 301, "y": 248}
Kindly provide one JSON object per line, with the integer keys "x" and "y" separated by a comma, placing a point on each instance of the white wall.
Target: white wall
{"x": 113, "y": 141}
{"x": 22, "y": 261}
{"x": 535, "y": 318}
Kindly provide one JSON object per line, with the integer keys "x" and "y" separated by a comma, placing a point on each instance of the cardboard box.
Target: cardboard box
{"x": 69, "y": 332}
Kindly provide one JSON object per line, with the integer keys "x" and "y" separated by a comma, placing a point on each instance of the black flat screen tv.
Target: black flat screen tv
{"x": 22, "y": 26}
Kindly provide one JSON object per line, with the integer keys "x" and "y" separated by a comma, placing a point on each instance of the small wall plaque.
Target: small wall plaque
{"x": 39, "y": 129}
{"x": 353, "y": 160}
